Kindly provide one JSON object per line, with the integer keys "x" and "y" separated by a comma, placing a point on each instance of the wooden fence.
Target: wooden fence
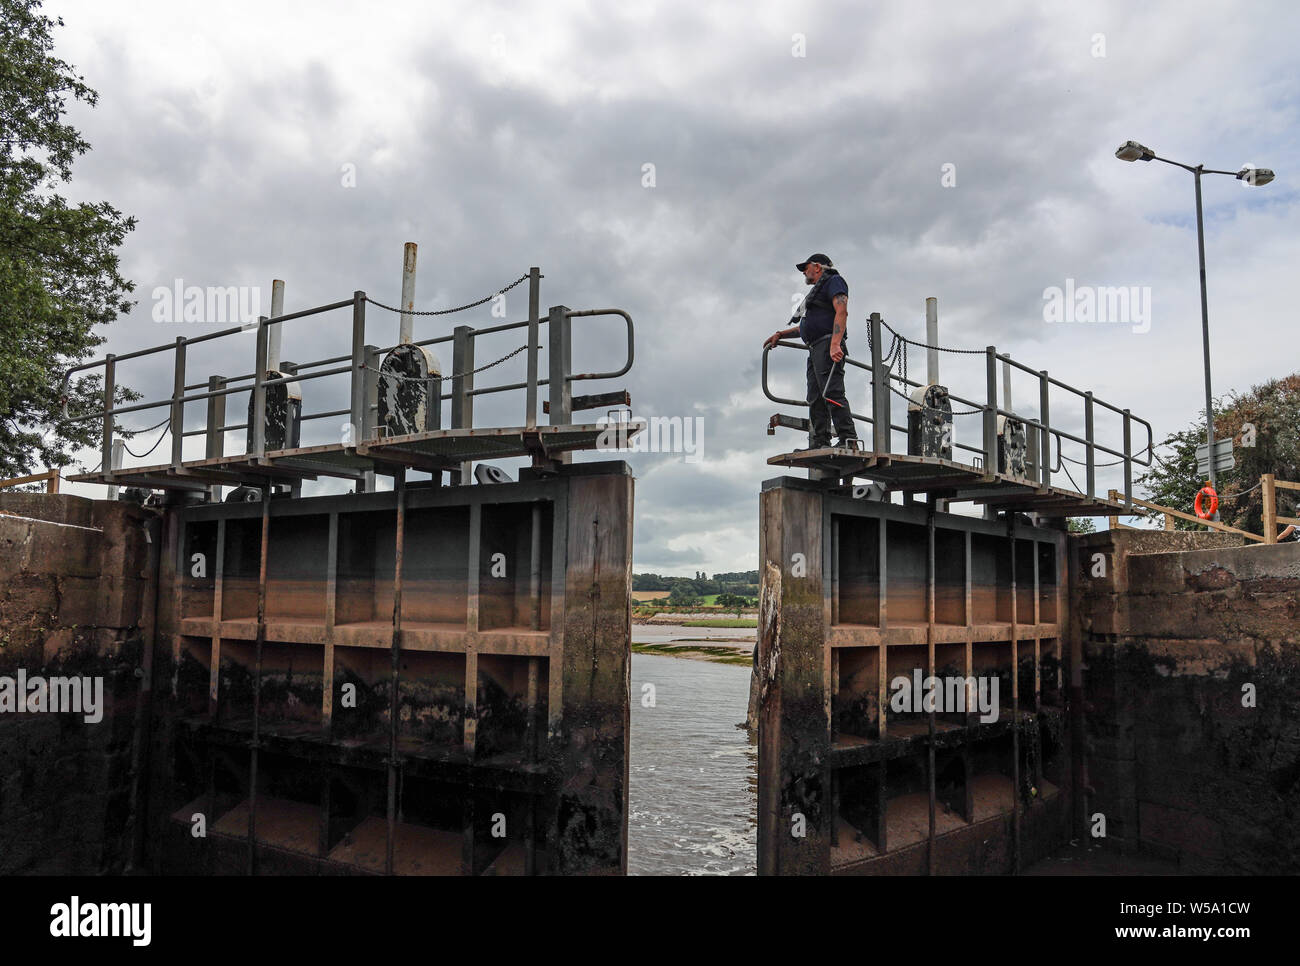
{"x": 1271, "y": 519}
{"x": 49, "y": 477}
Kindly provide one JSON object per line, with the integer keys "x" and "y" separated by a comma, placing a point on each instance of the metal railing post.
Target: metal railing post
{"x": 1087, "y": 435}
{"x": 215, "y": 444}
{"x": 462, "y": 403}
{"x": 1045, "y": 452}
{"x": 215, "y": 441}
{"x": 259, "y": 389}
{"x": 991, "y": 409}
{"x": 358, "y": 408}
{"x": 368, "y": 428}
{"x": 534, "y": 296}
{"x": 880, "y": 435}
{"x": 1128, "y": 453}
{"x": 178, "y": 407}
{"x": 110, "y": 387}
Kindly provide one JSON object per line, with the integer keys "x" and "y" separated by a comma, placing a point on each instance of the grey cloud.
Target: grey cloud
{"x": 760, "y": 159}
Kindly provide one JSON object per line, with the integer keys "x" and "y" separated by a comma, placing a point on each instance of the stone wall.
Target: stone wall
{"x": 1191, "y": 684}
{"x": 76, "y": 600}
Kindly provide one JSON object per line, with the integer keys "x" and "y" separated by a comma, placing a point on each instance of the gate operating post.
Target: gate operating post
{"x": 534, "y": 295}
{"x": 560, "y": 355}
{"x": 178, "y": 406}
{"x": 462, "y": 403}
{"x": 259, "y": 390}
{"x": 215, "y": 443}
{"x": 358, "y": 414}
{"x": 991, "y": 409}
{"x": 1045, "y": 450}
{"x": 880, "y": 435}
{"x": 1087, "y": 434}
{"x": 106, "y": 444}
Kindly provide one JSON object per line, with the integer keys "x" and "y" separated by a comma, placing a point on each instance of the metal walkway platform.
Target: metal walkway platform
{"x": 435, "y": 450}
{"x": 947, "y": 480}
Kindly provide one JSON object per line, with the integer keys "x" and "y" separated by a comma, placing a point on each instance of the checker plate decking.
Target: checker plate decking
{"x": 441, "y": 449}
{"x": 947, "y": 480}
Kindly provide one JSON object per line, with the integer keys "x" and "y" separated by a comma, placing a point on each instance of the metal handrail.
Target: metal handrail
{"x": 357, "y": 365}
{"x": 630, "y": 344}
{"x": 989, "y": 410}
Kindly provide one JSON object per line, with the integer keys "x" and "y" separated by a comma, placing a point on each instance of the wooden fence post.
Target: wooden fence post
{"x": 1270, "y": 508}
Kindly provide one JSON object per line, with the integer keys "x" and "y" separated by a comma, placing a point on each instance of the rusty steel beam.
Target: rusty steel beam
{"x": 257, "y": 680}
{"x": 930, "y": 579}
{"x": 394, "y": 691}
{"x": 1015, "y": 704}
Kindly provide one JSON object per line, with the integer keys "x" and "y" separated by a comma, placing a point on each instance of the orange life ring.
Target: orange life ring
{"x": 1214, "y": 502}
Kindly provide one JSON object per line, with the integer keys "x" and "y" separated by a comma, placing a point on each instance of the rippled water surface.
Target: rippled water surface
{"x": 693, "y": 786}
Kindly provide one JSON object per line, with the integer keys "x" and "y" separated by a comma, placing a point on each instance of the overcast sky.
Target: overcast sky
{"x": 961, "y": 151}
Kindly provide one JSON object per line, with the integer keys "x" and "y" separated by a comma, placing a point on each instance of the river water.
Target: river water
{"x": 694, "y": 779}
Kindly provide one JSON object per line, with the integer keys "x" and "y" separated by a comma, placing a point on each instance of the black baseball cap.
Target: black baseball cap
{"x": 818, "y": 258}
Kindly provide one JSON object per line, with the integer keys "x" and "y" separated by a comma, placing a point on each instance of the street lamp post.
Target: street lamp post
{"x": 1133, "y": 151}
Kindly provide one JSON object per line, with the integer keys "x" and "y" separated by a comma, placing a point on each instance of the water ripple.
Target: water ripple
{"x": 693, "y": 772}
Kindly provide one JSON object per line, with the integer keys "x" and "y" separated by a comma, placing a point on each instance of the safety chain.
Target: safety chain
{"x": 139, "y": 456}
{"x": 459, "y": 308}
{"x": 898, "y": 355}
{"x": 923, "y": 345}
{"x": 1111, "y": 463}
{"x": 150, "y": 429}
{"x": 161, "y": 435}
{"x": 454, "y": 375}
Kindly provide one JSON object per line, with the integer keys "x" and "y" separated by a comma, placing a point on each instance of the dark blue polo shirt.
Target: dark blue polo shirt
{"x": 819, "y": 321}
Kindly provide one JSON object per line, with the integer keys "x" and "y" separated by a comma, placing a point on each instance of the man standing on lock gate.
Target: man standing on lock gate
{"x": 822, "y": 323}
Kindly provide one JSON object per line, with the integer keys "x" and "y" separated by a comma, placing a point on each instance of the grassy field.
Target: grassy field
{"x": 643, "y": 596}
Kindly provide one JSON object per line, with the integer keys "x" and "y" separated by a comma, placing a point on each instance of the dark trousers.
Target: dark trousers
{"x": 819, "y": 367}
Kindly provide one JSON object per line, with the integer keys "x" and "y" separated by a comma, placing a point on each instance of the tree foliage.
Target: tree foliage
{"x": 741, "y": 583}
{"x": 59, "y": 275}
{"x": 1268, "y": 415}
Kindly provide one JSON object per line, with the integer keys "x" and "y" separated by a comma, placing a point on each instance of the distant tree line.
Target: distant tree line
{"x": 733, "y": 589}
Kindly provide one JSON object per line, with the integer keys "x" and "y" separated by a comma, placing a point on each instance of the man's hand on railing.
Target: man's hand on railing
{"x": 777, "y": 336}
